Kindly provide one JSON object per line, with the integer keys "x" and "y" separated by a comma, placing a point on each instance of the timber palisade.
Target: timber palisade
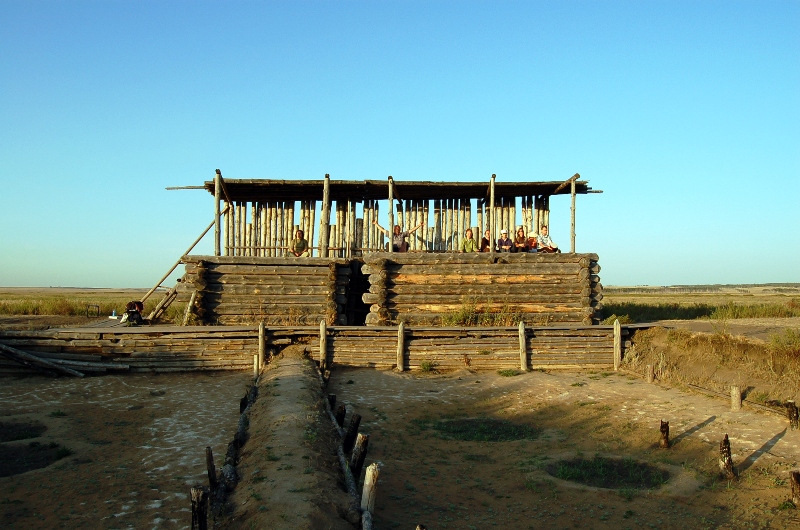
{"x": 353, "y": 299}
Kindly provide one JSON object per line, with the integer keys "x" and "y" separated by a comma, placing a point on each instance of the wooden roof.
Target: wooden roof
{"x": 286, "y": 190}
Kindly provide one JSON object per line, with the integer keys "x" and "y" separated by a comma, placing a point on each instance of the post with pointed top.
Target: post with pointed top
{"x": 391, "y": 212}
{"x": 217, "y": 186}
{"x": 323, "y": 344}
{"x": 572, "y": 215}
{"x": 617, "y": 344}
{"x": 401, "y": 330}
{"x": 491, "y": 213}
{"x": 325, "y": 222}
{"x": 523, "y": 352}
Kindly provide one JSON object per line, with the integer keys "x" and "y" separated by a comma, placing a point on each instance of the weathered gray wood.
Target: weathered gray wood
{"x": 492, "y": 219}
{"x": 350, "y": 435}
{"x": 401, "y": 346}
{"x": 650, "y": 373}
{"x": 199, "y": 497}
{"x": 523, "y": 348}
{"x": 359, "y": 454}
{"x": 370, "y": 488}
{"x": 262, "y": 344}
{"x": 617, "y": 344}
{"x": 726, "y": 466}
{"x": 323, "y": 345}
{"x": 217, "y": 229}
{"x": 35, "y": 362}
{"x": 736, "y": 399}
{"x": 189, "y": 307}
{"x": 211, "y": 470}
{"x": 572, "y": 218}
{"x": 390, "y": 227}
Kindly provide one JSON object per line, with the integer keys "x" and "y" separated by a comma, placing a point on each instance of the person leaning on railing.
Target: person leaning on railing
{"x": 469, "y": 244}
{"x": 399, "y": 243}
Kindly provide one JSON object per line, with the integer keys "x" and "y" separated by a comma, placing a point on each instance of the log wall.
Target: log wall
{"x": 183, "y": 349}
{"x": 233, "y": 290}
{"x": 428, "y": 289}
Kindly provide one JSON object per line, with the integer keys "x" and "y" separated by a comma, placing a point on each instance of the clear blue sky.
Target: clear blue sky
{"x": 685, "y": 113}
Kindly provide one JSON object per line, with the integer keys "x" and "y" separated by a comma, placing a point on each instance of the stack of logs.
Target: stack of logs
{"x": 539, "y": 288}
{"x": 276, "y": 291}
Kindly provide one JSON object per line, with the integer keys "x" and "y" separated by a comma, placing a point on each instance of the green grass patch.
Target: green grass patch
{"x": 470, "y": 315}
{"x": 427, "y": 366}
{"x": 508, "y": 372}
{"x": 483, "y": 430}
{"x": 624, "y": 474}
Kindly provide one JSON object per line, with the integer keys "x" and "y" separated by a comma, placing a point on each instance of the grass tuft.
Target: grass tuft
{"x": 624, "y": 474}
{"x": 508, "y": 372}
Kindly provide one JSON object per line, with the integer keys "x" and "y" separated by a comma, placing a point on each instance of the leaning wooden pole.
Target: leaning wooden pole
{"x": 35, "y": 362}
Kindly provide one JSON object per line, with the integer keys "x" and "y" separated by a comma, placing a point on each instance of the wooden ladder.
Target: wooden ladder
{"x": 162, "y": 306}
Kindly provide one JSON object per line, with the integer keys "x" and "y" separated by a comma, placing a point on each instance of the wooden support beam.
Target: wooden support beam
{"x": 35, "y": 362}
{"x": 217, "y": 231}
{"x": 323, "y": 344}
{"x": 390, "y": 228}
{"x": 572, "y": 218}
{"x": 401, "y": 329}
{"x": 492, "y": 219}
{"x": 617, "y": 344}
{"x": 566, "y": 183}
{"x": 262, "y": 343}
{"x": 523, "y": 350}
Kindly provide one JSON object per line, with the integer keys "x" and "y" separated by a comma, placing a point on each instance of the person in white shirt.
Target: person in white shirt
{"x": 545, "y": 243}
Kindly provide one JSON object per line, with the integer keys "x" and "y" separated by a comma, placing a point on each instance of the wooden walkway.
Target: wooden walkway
{"x": 192, "y": 348}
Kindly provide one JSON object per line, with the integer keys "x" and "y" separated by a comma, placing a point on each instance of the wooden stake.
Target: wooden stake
{"x": 792, "y": 414}
{"x": 523, "y": 350}
{"x": 199, "y": 508}
{"x": 736, "y": 399}
{"x": 401, "y": 347}
{"x": 618, "y": 345}
{"x": 352, "y": 430}
{"x": 255, "y": 365}
{"x": 664, "y": 443}
{"x": 359, "y": 454}
{"x": 332, "y": 401}
{"x": 725, "y": 459}
{"x": 189, "y": 308}
{"x": 211, "y": 469}
{"x": 651, "y": 375}
{"x": 370, "y": 487}
{"x": 323, "y": 344}
{"x": 340, "y": 414}
{"x": 262, "y": 343}
{"x": 794, "y": 480}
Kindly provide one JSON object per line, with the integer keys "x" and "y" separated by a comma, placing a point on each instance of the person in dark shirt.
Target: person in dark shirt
{"x": 299, "y": 246}
{"x": 486, "y": 242}
{"x": 504, "y": 244}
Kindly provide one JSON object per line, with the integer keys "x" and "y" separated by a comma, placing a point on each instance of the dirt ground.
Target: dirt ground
{"x": 137, "y": 446}
{"x": 451, "y": 484}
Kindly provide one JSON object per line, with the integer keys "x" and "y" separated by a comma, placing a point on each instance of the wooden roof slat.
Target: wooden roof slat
{"x": 282, "y": 190}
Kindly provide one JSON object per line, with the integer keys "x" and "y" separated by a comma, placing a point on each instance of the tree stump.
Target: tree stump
{"x": 794, "y": 479}
{"x": 352, "y": 432}
{"x": 370, "y": 487}
{"x": 340, "y": 414}
{"x": 199, "y": 508}
{"x": 359, "y": 454}
{"x": 664, "y": 443}
{"x": 791, "y": 413}
{"x": 725, "y": 459}
{"x": 651, "y": 374}
{"x": 736, "y": 399}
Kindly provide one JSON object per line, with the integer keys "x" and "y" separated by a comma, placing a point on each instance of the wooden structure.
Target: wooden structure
{"x": 192, "y": 348}
{"x": 260, "y": 217}
{"x": 532, "y": 288}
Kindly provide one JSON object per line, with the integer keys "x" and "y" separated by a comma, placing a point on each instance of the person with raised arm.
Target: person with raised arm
{"x": 399, "y": 243}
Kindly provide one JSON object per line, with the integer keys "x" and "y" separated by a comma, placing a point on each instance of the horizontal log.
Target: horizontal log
{"x": 266, "y": 279}
{"x": 458, "y": 298}
{"x": 289, "y": 269}
{"x": 485, "y": 279}
{"x": 542, "y": 269}
{"x": 497, "y": 289}
{"x": 243, "y": 305}
{"x": 483, "y": 257}
{"x": 493, "y": 307}
{"x": 268, "y": 289}
{"x": 210, "y": 261}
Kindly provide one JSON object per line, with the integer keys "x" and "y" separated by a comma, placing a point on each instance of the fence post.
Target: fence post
{"x": 323, "y": 344}
{"x": 401, "y": 331}
{"x": 617, "y": 344}
{"x": 523, "y": 353}
{"x": 261, "y": 343}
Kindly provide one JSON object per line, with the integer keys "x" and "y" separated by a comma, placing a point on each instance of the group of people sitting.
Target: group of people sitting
{"x": 533, "y": 243}
{"x": 540, "y": 242}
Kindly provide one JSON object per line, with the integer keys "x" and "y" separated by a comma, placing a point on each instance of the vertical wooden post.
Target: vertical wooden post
{"x": 725, "y": 459}
{"x": 651, "y": 374}
{"x": 512, "y": 216}
{"x": 188, "y": 311}
{"x": 617, "y": 344}
{"x": 664, "y": 443}
{"x": 255, "y": 365}
{"x": 794, "y": 479}
{"x": 390, "y": 228}
{"x": 359, "y": 454}
{"x": 349, "y": 439}
{"x": 199, "y": 508}
{"x": 736, "y": 399}
{"x": 401, "y": 330}
{"x": 492, "y": 227}
{"x": 217, "y": 230}
{"x": 370, "y": 487}
{"x": 792, "y": 415}
{"x": 523, "y": 350}
{"x": 262, "y": 346}
{"x": 572, "y": 217}
{"x": 211, "y": 469}
{"x": 479, "y": 213}
{"x": 325, "y": 221}
{"x": 323, "y": 344}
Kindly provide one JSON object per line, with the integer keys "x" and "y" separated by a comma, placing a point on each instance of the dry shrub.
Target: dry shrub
{"x": 470, "y": 315}
{"x": 719, "y": 360}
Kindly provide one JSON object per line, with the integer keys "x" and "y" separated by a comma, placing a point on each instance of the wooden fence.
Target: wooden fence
{"x": 181, "y": 349}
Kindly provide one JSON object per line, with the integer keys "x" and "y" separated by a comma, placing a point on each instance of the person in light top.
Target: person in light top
{"x": 399, "y": 243}
{"x": 469, "y": 244}
{"x": 545, "y": 243}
